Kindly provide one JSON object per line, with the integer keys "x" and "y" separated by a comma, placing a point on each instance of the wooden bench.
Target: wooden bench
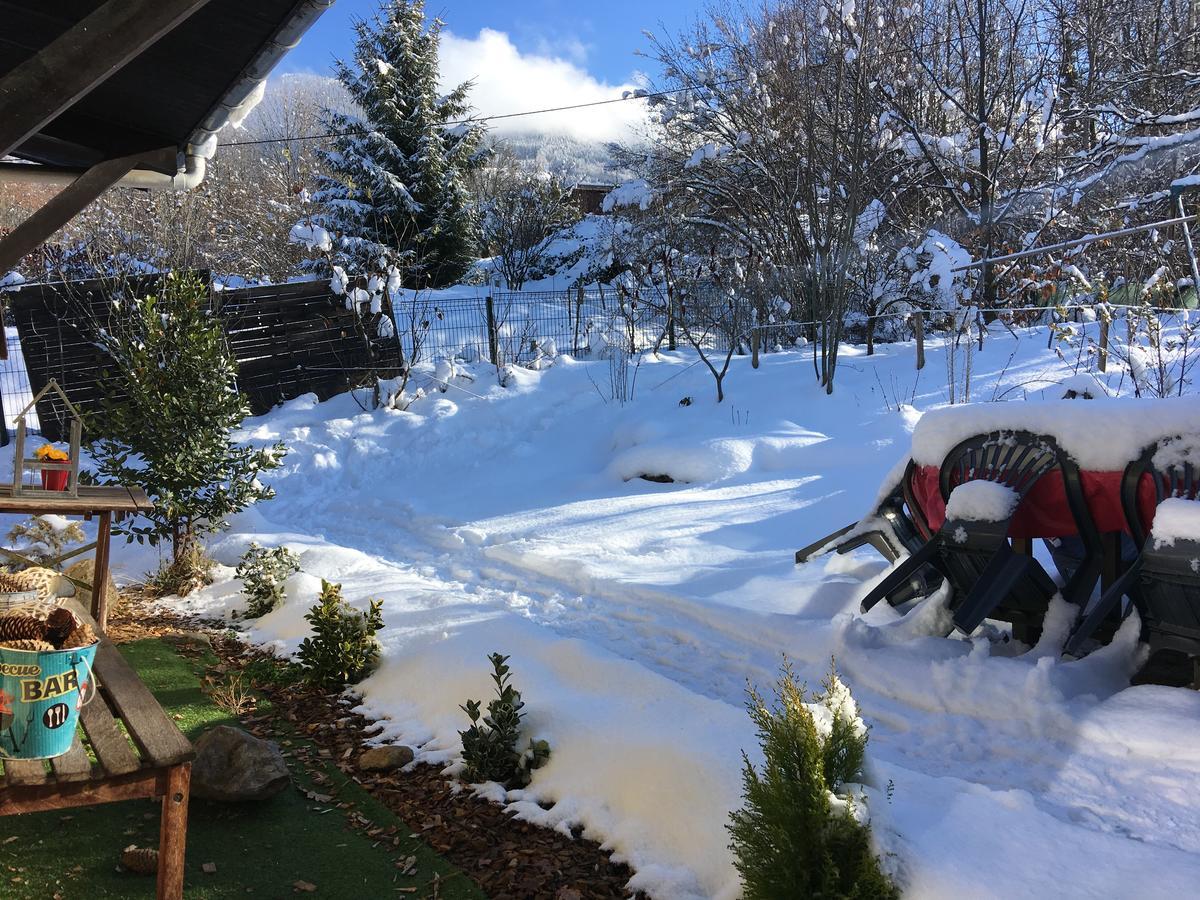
{"x": 155, "y": 760}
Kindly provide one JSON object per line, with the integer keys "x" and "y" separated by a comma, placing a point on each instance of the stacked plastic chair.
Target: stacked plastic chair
{"x": 1163, "y": 582}
{"x": 987, "y": 577}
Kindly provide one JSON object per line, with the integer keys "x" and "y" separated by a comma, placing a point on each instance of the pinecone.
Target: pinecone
{"x": 83, "y": 636}
{"x": 21, "y": 627}
{"x": 31, "y": 644}
{"x": 59, "y": 625}
{"x": 140, "y": 860}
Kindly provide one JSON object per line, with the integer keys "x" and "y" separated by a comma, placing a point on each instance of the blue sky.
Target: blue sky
{"x": 600, "y": 36}
{"x": 527, "y": 55}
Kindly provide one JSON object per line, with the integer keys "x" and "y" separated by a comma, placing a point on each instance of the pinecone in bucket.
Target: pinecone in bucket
{"x": 33, "y": 645}
{"x": 21, "y": 627}
{"x": 59, "y": 625}
{"x": 141, "y": 860}
{"x": 83, "y": 636}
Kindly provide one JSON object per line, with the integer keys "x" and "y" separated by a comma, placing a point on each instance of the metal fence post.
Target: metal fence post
{"x": 493, "y": 337}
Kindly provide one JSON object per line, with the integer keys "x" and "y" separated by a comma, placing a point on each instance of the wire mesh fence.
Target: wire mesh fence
{"x": 15, "y": 390}
{"x": 519, "y": 328}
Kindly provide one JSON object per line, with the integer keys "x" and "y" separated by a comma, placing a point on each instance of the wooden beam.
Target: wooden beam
{"x": 61, "y": 208}
{"x": 66, "y": 69}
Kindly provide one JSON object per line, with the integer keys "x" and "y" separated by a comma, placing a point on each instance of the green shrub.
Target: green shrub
{"x": 264, "y": 571}
{"x": 166, "y": 419}
{"x": 343, "y": 649}
{"x": 791, "y": 839}
{"x": 490, "y": 747}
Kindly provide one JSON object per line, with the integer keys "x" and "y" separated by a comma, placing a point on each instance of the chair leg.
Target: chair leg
{"x": 172, "y": 833}
{"x": 1109, "y": 601}
{"x": 879, "y": 541}
{"x": 901, "y": 575}
{"x": 995, "y": 583}
{"x": 804, "y": 554}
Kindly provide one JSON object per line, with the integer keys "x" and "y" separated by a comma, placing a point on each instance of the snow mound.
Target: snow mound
{"x": 1103, "y": 435}
{"x": 1176, "y": 519}
{"x": 982, "y": 501}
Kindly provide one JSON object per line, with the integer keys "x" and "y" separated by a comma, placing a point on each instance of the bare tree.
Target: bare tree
{"x": 521, "y": 210}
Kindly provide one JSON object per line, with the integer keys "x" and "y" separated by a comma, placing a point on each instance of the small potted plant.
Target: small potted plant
{"x": 53, "y": 479}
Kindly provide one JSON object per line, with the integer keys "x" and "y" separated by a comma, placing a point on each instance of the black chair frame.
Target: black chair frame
{"x": 1162, "y": 582}
{"x": 988, "y": 577}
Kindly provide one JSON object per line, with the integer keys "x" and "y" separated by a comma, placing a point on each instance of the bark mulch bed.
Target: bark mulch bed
{"x": 507, "y": 858}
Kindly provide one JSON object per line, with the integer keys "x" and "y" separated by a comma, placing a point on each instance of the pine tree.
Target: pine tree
{"x": 789, "y": 840}
{"x": 396, "y": 194}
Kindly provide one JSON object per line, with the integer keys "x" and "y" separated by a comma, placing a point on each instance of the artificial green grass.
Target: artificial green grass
{"x": 259, "y": 849}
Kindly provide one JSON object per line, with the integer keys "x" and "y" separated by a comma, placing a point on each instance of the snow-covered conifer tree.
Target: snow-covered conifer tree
{"x": 396, "y": 194}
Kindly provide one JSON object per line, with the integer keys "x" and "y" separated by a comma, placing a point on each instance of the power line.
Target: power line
{"x": 632, "y": 95}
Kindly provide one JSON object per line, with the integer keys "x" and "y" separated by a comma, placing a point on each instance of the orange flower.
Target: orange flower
{"x": 50, "y": 452}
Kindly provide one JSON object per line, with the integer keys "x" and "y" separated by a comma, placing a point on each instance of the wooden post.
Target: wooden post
{"x": 919, "y": 331}
{"x": 172, "y": 832}
{"x": 100, "y": 571}
{"x": 1102, "y": 362}
{"x": 755, "y": 340}
{"x": 493, "y": 337}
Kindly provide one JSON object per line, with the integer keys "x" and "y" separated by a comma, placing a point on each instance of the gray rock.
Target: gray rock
{"x": 386, "y": 758}
{"x": 232, "y": 766}
{"x": 189, "y": 639}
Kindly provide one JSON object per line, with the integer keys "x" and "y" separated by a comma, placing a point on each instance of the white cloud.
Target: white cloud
{"x": 507, "y": 81}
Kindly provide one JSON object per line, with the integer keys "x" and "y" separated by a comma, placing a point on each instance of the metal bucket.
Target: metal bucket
{"x": 41, "y": 694}
{"x": 12, "y": 599}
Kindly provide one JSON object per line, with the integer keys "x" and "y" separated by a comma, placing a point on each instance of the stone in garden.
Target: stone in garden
{"x": 232, "y": 766}
{"x": 82, "y": 571}
{"x": 386, "y": 758}
{"x": 189, "y": 639}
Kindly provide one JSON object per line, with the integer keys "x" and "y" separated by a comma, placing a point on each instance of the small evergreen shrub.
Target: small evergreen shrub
{"x": 795, "y": 837}
{"x": 343, "y": 649}
{"x": 264, "y": 571}
{"x": 490, "y": 746}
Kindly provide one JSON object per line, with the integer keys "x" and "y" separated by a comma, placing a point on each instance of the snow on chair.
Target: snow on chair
{"x": 984, "y": 480}
{"x": 1163, "y": 582}
{"x": 897, "y": 528}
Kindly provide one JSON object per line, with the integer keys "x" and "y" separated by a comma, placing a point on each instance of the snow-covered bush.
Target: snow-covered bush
{"x": 522, "y": 210}
{"x": 342, "y": 649}
{"x": 264, "y": 571}
{"x": 490, "y": 746}
{"x": 799, "y": 834}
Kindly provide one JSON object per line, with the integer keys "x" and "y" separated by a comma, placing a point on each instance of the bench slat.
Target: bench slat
{"x": 157, "y": 737}
{"x": 25, "y": 771}
{"x": 112, "y": 748}
{"x": 73, "y": 765}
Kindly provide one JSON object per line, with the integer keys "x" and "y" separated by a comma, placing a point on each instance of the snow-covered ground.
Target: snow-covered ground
{"x": 509, "y": 518}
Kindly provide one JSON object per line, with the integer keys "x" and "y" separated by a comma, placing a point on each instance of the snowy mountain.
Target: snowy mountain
{"x": 571, "y": 159}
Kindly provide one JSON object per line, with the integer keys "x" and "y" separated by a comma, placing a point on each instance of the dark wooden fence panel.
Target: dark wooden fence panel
{"x": 56, "y": 325}
{"x": 288, "y": 340}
